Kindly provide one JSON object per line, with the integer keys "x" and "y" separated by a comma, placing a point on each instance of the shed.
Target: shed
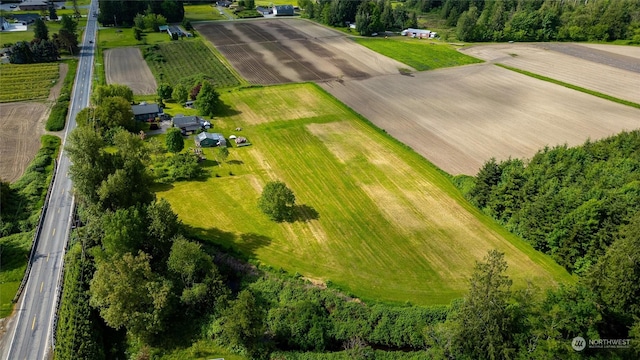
{"x": 283, "y": 10}
{"x": 205, "y": 139}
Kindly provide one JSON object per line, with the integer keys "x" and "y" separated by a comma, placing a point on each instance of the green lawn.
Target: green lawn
{"x": 27, "y": 82}
{"x": 14, "y": 251}
{"x": 113, "y": 37}
{"x": 373, "y": 217}
{"x": 176, "y": 60}
{"x": 419, "y": 54}
{"x": 202, "y": 12}
{"x": 53, "y": 26}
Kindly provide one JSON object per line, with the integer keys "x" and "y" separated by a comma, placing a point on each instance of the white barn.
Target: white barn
{"x": 418, "y": 33}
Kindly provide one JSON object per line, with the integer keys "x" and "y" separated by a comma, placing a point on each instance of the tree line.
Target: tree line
{"x": 542, "y": 20}
{"x": 124, "y": 13}
{"x": 369, "y": 16}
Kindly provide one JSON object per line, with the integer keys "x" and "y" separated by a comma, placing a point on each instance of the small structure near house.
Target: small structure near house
{"x": 283, "y": 10}
{"x": 224, "y": 3}
{"x": 188, "y": 124}
{"x": 418, "y": 33}
{"x": 205, "y": 139}
{"x": 174, "y": 31}
{"x": 162, "y": 28}
{"x": 264, "y": 10}
{"x": 146, "y": 112}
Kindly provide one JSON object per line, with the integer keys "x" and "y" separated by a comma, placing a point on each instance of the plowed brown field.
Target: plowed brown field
{"x": 293, "y": 50}
{"x": 460, "y": 117}
{"x": 610, "y": 72}
{"x": 126, "y": 66}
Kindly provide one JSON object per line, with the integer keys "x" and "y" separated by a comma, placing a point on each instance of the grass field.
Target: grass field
{"x": 176, "y": 60}
{"x": 202, "y": 12}
{"x": 113, "y": 37}
{"x": 372, "y": 217}
{"x": 419, "y": 54}
{"x": 27, "y": 82}
{"x": 12, "y": 37}
{"x": 14, "y": 250}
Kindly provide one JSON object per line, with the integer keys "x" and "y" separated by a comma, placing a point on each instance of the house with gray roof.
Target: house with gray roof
{"x": 188, "y": 123}
{"x": 146, "y": 112}
{"x": 283, "y": 10}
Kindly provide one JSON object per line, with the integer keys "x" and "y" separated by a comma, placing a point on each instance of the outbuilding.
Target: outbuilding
{"x": 416, "y": 33}
{"x": 205, "y": 139}
{"x": 188, "y": 123}
{"x": 283, "y": 10}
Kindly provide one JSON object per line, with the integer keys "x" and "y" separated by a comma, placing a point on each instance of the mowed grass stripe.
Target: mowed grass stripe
{"x": 419, "y": 54}
{"x": 391, "y": 226}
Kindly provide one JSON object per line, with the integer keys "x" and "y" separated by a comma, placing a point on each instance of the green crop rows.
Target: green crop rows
{"x": 26, "y": 82}
{"x": 171, "y": 62}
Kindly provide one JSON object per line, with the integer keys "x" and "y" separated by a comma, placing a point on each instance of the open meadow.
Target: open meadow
{"x": 458, "y": 118}
{"x": 127, "y": 67}
{"x": 418, "y": 54}
{"x": 608, "y": 72}
{"x": 372, "y": 217}
{"x": 278, "y": 51}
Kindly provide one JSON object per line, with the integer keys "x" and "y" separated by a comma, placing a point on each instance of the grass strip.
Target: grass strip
{"x": 571, "y": 86}
{"x": 59, "y": 111}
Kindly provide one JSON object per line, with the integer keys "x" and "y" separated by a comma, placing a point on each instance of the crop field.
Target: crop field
{"x": 419, "y": 54}
{"x": 472, "y": 113}
{"x": 278, "y": 51}
{"x": 27, "y": 82}
{"x": 127, "y": 67}
{"x": 364, "y": 218}
{"x": 173, "y": 61}
{"x": 607, "y": 72}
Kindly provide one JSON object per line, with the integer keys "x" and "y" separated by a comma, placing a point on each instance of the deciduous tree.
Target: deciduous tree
{"x": 129, "y": 294}
{"x": 277, "y": 201}
{"x": 174, "y": 140}
{"x": 208, "y": 100}
{"x": 116, "y": 111}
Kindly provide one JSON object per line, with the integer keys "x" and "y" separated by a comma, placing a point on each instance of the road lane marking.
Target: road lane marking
{"x": 54, "y": 232}
{"x": 58, "y": 210}
{"x": 41, "y": 286}
{"x": 48, "y": 256}
{"x": 33, "y": 325}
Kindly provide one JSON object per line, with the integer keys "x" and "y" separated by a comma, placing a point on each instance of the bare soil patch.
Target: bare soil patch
{"x": 595, "y": 69}
{"x": 293, "y": 50}
{"x": 126, "y": 66}
{"x": 631, "y": 51}
{"x": 459, "y": 118}
{"x": 21, "y": 125}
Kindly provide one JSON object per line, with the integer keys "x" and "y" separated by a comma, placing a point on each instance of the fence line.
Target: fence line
{"x": 36, "y": 236}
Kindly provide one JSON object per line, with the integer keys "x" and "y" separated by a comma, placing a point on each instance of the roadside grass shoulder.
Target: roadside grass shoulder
{"x": 419, "y": 54}
{"x": 373, "y": 218}
{"x": 14, "y": 250}
{"x": 59, "y": 111}
{"x": 27, "y": 81}
{"x": 571, "y": 86}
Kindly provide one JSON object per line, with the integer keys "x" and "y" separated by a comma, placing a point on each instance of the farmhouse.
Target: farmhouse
{"x": 419, "y": 33}
{"x": 34, "y": 5}
{"x": 283, "y": 10}
{"x": 174, "y": 29}
{"x": 206, "y": 139}
{"x": 224, "y": 3}
{"x": 188, "y": 123}
{"x": 146, "y": 112}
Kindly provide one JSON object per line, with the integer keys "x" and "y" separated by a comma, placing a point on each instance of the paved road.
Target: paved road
{"x": 31, "y": 338}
